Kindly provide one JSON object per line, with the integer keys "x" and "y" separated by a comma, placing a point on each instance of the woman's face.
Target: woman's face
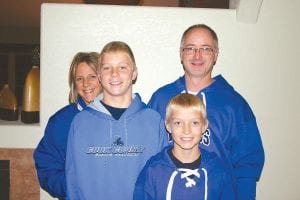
{"x": 86, "y": 82}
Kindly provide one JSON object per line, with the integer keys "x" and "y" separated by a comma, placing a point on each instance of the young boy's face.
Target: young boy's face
{"x": 117, "y": 73}
{"x": 186, "y": 128}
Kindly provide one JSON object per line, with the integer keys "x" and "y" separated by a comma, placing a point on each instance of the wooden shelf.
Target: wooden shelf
{"x": 17, "y": 123}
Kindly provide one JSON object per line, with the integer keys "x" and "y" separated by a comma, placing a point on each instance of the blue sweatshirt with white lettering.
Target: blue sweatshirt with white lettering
{"x": 105, "y": 155}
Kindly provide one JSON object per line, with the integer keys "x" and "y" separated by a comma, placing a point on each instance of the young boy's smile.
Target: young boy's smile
{"x": 186, "y": 128}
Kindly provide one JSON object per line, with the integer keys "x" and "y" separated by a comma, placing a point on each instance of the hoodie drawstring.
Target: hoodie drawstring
{"x": 170, "y": 185}
{"x": 203, "y": 98}
{"x": 190, "y": 182}
{"x": 205, "y": 182}
{"x": 79, "y": 107}
{"x": 188, "y": 172}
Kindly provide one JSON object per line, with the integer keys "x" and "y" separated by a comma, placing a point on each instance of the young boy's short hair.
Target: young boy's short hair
{"x": 186, "y": 100}
{"x": 116, "y": 46}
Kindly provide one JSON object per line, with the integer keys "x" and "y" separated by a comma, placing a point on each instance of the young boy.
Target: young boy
{"x": 111, "y": 140}
{"x": 183, "y": 170}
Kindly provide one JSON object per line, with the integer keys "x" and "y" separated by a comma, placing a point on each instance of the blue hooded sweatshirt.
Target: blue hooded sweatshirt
{"x": 160, "y": 179}
{"x": 50, "y": 153}
{"x": 105, "y": 155}
{"x": 232, "y": 132}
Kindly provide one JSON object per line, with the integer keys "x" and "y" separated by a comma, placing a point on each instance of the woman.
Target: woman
{"x": 50, "y": 153}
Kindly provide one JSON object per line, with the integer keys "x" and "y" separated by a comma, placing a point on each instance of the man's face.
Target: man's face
{"x": 199, "y": 53}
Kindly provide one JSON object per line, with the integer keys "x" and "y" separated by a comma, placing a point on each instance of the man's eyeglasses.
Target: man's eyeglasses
{"x": 202, "y": 50}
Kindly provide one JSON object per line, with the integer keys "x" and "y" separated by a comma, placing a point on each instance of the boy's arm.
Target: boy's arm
{"x": 141, "y": 190}
{"x": 72, "y": 187}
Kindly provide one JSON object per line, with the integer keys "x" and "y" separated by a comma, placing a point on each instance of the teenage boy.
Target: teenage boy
{"x": 111, "y": 140}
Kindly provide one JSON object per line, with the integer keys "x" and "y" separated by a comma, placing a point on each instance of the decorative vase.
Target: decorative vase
{"x": 31, "y": 97}
{"x": 8, "y": 104}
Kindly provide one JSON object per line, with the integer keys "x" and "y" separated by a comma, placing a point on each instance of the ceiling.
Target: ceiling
{"x": 26, "y": 13}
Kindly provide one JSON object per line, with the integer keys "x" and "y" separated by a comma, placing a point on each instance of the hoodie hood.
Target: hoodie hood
{"x": 219, "y": 83}
{"x": 135, "y": 106}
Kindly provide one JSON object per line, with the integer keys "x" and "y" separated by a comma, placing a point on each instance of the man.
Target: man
{"x": 232, "y": 131}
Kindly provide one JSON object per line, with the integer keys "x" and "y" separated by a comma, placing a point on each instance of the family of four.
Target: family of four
{"x": 196, "y": 139}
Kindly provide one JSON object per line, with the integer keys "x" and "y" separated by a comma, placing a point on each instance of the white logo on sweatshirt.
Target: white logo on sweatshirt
{"x": 205, "y": 140}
